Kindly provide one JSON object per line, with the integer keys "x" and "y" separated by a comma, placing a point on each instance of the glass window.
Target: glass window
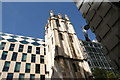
{"x": 44, "y": 51}
{"x": 88, "y": 49}
{"x": 37, "y": 68}
{"x": 2, "y": 45}
{"x": 27, "y": 69}
{"x": 12, "y": 40}
{"x": 29, "y": 49}
{"x": 9, "y": 76}
{"x": 33, "y": 58}
{"x": 6, "y": 66}
{"x": 11, "y": 47}
{"x": 89, "y": 63}
{"x": 25, "y": 38}
{"x": 95, "y": 45}
{"x": 42, "y": 77}
{"x": 17, "y": 67}
{"x": 41, "y": 59}
{"x": 35, "y": 43}
{"x": 21, "y": 48}
{"x": 24, "y": 57}
{"x": 37, "y": 50}
{"x": 24, "y": 42}
{"x": 91, "y": 45}
{"x": 32, "y": 76}
{"x": 85, "y": 43}
{"x": 21, "y": 76}
{"x": 45, "y": 69}
{"x": 93, "y": 49}
{"x": 14, "y": 56}
{"x": 4, "y": 55}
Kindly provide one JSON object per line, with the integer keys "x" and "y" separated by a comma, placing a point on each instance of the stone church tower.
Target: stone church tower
{"x": 64, "y": 53}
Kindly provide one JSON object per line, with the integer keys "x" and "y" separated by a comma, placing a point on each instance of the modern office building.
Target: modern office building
{"x": 22, "y": 57}
{"x": 103, "y": 19}
{"x": 64, "y": 52}
{"x": 93, "y": 51}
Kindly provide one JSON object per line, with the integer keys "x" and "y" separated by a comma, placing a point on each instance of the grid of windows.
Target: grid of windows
{"x": 4, "y": 55}
{"x": 15, "y": 60}
{"x": 96, "y": 58}
{"x": 11, "y": 47}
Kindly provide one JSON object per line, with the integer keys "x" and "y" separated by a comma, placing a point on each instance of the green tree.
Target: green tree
{"x": 105, "y": 75}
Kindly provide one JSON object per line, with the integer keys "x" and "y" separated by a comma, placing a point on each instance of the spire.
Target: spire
{"x": 59, "y": 15}
{"x": 51, "y": 13}
{"x": 66, "y": 17}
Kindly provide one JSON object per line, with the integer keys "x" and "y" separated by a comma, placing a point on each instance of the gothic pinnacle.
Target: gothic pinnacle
{"x": 51, "y": 13}
{"x": 59, "y": 15}
{"x": 66, "y": 17}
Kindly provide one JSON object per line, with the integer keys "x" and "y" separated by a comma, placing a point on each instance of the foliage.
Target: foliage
{"x": 105, "y": 75}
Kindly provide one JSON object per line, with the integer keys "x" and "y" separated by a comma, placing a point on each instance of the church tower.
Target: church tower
{"x": 64, "y": 53}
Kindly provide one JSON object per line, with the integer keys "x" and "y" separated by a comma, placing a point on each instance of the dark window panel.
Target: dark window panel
{"x": 41, "y": 59}
{"x": 42, "y": 77}
{"x": 44, "y": 51}
{"x": 37, "y": 50}
{"x": 11, "y": 47}
{"x": 21, "y": 76}
{"x": 33, "y": 58}
{"x": 17, "y": 67}
{"x": 6, "y": 66}
{"x": 4, "y": 55}
{"x": 24, "y": 56}
{"x": 9, "y": 76}
{"x": 21, "y": 48}
{"x": 2, "y": 45}
{"x": 37, "y": 68}
{"x": 32, "y": 76}
{"x": 29, "y": 49}
{"x": 14, "y": 56}
{"x": 27, "y": 69}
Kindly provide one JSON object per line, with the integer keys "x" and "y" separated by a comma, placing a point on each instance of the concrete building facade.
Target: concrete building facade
{"x": 103, "y": 19}
{"x": 64, "y": 53}
{"x": 22, "y": 57}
